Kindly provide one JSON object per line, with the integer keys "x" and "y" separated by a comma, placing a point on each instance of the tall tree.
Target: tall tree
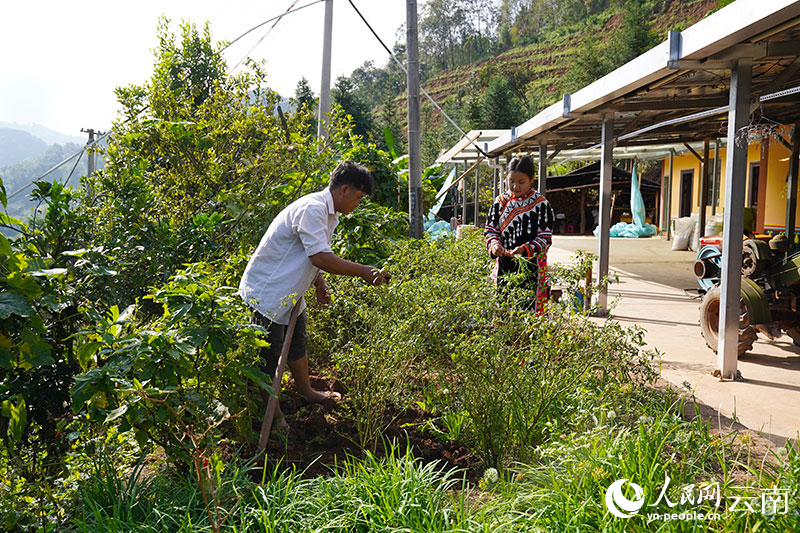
{"x": 304, "y": 98}
{"x": 303, "y": 94}
{"x": 186, "y": 73}
{"x": 633, "y": 36}
{"x": 500, "y": 107}
{"x": 443, "y": 27}
{"x": 344, "y": 95}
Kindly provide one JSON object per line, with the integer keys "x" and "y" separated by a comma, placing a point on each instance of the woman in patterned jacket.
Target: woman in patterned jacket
{"x": 519, "y": 231}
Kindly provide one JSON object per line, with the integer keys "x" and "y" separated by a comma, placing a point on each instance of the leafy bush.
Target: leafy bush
{"x": 521, "y": 381}
{"x": 369, "y": 234}
{"x": 389, "y": 342}
{"x": 440, "y": 334}
{"x": 166, "y": 379}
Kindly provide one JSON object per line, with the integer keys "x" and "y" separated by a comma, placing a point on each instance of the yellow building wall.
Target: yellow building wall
{"x": 777, "y": 172}
{"x": 777, "y": 169}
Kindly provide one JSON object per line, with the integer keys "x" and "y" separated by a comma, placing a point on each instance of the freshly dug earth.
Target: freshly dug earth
{"x": 322, "y": 436}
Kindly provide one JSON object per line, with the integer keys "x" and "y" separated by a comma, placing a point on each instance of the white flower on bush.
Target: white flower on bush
{"x": 611, "y": 416}
{"x": 491, "y": 475}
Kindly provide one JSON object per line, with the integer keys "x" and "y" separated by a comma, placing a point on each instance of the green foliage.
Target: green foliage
{"x": 500, "y": 107}
{"x": 344, "y": 95}
{"x": 375, "y": 336}
{"x": 185, "y": 74}
{"x": 169, "y": 377}
{"x": 46, "y": 284}
{"x": 634, "y": 36}
{"x": 304, "y": 101}
{"x": 594, "y": 59}
{"x": 201, "y": 172}
{"x": 369, "y": 234}
{"x": 434, "y": 332}
{"x": 518, "y": 382}
{"x": 589, "y": 64}
{"x": 397, "y": 492}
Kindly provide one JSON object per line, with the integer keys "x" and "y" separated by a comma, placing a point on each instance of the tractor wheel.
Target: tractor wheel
{"x": 709, "y": 322}
{"x": 794, "y": 333}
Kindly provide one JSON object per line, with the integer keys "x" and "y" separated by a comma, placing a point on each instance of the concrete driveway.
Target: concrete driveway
{"x": 657, "y": 291}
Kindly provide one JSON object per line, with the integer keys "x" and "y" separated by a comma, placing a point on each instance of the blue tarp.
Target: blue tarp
{"x": 639, "y": 228}
{"x": 430, "y": 223}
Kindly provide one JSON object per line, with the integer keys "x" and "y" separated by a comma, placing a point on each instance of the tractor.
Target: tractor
{"x": 770, "y": 289}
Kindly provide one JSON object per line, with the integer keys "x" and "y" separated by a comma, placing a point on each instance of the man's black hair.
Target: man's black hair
{"x": 524, "y": 164}
{"x": 354, "y": 175}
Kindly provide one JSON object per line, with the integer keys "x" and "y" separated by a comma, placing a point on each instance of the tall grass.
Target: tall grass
{"x": 565, "y": 489}
{"x": 395, "y": 493}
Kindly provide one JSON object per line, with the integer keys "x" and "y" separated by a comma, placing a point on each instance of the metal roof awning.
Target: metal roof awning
{"x": 464, "y": 150}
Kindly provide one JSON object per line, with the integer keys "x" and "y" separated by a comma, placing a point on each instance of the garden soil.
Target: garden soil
{"x": 322, "y": 436}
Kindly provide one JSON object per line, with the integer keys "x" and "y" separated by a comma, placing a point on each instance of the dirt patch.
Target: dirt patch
{"x": 321, "y": 436}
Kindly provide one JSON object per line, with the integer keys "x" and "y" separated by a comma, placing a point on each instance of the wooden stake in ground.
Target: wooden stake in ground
{"x": 272, "y": 404}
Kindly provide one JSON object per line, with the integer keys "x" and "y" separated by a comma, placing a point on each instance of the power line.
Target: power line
{"x": 268, "y": 21}
{"x": 289, "y": 10}
{"x": 428, "y": 96}
{"x": 73, "y": 168}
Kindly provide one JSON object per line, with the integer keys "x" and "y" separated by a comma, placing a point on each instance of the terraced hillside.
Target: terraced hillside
{"x": 536, "y": 71}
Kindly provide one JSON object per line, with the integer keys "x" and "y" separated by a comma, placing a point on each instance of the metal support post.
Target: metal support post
{"x": 715, "y": 179}
{"x": 606, "y": 154}
{"x": 669, "y": 193}
{"x": 495, "y": 184}
{"x": 542, "y": 168}
{"x": 736, "y": 177}
{"x": 325, "y": 88}
{"x": 464, "y": 197}
{"x": 477, "y": 176}
{"x": 703, "y": 193}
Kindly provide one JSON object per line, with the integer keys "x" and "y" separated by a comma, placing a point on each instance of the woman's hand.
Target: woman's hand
{"x": 519, "y": 250}
{"x": 497, "y": 250}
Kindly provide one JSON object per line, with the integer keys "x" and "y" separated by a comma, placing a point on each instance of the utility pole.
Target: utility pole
{"x": 414, "y": 144}
{"x": 89, "y": 151}
{"x": 325, "y": 89}
{"x": 90, "y": 157}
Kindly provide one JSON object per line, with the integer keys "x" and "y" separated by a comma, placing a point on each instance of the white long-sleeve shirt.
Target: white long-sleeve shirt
{"x": 279, "y": 271}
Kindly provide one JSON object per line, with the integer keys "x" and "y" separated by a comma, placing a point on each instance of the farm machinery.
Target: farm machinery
{"x": 770, "y": 290}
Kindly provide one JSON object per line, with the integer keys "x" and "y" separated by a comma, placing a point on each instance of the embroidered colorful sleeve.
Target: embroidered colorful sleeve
{"x": 491, "y": 232}
{"x": 544, "y": 233}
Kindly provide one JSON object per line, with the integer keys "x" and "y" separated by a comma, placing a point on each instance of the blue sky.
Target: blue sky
{"x": 62, "y": 60}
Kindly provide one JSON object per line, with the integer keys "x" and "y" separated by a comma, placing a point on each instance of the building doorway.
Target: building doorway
{"x": 687, "y": 181}
{"x": 752, "y": 199}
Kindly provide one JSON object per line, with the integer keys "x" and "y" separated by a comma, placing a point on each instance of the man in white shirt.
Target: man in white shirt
{"x": 291, "y": 257}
